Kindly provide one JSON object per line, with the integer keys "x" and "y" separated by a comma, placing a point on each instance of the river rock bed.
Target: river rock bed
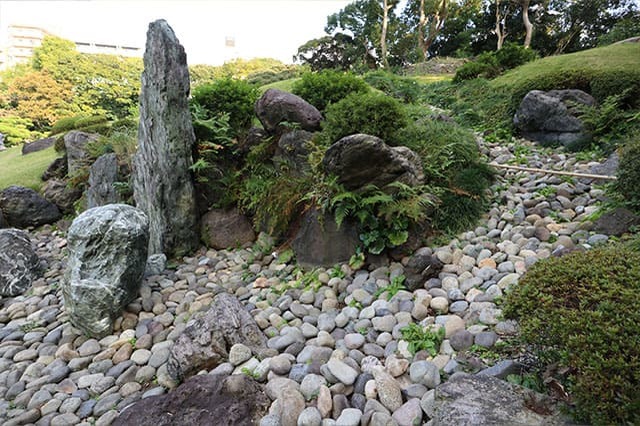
{"x": 336, "y": 353}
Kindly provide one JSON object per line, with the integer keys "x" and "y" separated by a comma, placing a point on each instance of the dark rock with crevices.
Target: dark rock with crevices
{"x": 276, "y": 106}
{"x": 203, "y": 400}
{"x": 23, "y": 207}
{"x": 359, "y": 160}
{"x": 38, "y": 145}
{"x": 207, "y": 339}
{"x": 162, "y": 181}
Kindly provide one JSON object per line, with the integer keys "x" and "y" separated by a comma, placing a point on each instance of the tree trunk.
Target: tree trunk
{"x": 501, "y": 26}
{"x": 528, "y": 26}
{"x": 435, "y": 25}
{"x": 383, "y": 35}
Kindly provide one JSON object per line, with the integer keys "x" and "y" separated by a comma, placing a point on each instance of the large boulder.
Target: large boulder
{"x": 616, "y": 222}
{"x": 103, "y": 173}
{"x": 484, "y": 400}
{"x": 19, "y": 263}
{"x": 276, "y": 106}
{"x": 359, "y": 160}
{"x": 203, "y": 400}
{"x": 57, "y": 169}
{"x": 552, "y": 117}
{"x": 23, "y": 207}
{"x": 221, "y": 229}
{"x": 3, "y": 222}
{"x": 75, "y": 143}
{"x": 38, "y": 145}
{"x": 207, "y": 339}
{"x": 162, "y": 181}
{"x": 321, "y": 242}
{"x": 292, "y": 152}
{"x": 107, "y": 257}
{"x": 60, "y": 194}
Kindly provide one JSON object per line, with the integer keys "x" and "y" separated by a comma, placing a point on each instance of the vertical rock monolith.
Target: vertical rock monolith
{"x": 162, "y": 182}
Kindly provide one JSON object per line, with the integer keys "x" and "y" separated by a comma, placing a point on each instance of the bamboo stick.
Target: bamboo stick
{"x": 553, "y": 172}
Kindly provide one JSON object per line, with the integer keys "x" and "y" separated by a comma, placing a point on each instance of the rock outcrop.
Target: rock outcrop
{"x": 552, "y": 117}
{"x": 320, "y": 242}
{"x": 107, "y": 257}
{"x": 207, "y": 339}
{"x": 38, "y": 145}
{"x": 420, "y": 267}
{"x": 276, "y": 106}
{"x": 484, "y": 400}
{"x": 23, "y": 207}
{"x": 60, "y": 194}
{"x": 57, "y": 169}
{"x": 202, "y": 400}
{"x": 292, "y": 152}
{"x": 75, "y": 143}
{"x": 221, "y": 229}
{"x": 102, "y": 175}
{"x": 19, "y": 264}
{"x": 359, "y": 160}
{"x": 162, "y": 182}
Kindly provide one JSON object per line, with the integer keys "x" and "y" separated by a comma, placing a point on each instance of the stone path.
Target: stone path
{"x": 336, "y": 337}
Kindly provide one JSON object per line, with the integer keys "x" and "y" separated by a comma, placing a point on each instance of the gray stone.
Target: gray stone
{"x": 19, "y": 263}
{"x": 162, "y": 183}
{"x": 486, "y": 339}
{"x": 155, "y": 264}
{"x": 276, "y": 106}
{"x": 552, "y": 117}
{"x": 75, "y": 144}
{"x": 222, "y": 229}
{"x": 502, "y": 369}
{"x": 206, "y": 340}
{"x": 461, "y": 340}
{"x": 342, "y": 371}
{"x": 202, "y": 400}
{"x": 103, "y": 173}
{"x": 23, "y": 207}
{"x": 349, "y": 417}
{"x": 292, "y": 404}
{"x": 310, "y": 416}
{"x": 107, "y": 255}
{"x": 320, "y": 242}
{"x": 62, "y": 195}
{"x": 359, "y": 160}
{"x": 38, "y": 145}
{"x": 388, "y": 388}
{"x": 409, "y": 414}
{"x": 425, "y": 373}
{"x": 484, "y": 400}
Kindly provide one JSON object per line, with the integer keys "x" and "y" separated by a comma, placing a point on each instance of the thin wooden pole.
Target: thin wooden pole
{"x": 552, "y": 172}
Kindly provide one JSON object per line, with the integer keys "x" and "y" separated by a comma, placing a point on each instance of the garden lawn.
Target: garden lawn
{"x": 24, "y": 170}
{"x": 285, "y": 85}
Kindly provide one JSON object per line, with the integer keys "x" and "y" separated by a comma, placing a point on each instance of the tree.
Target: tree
{"x": 330, "y": 52}
{"x": 37, "y": 96}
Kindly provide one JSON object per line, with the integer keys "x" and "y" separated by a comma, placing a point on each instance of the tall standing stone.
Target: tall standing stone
{"x": 162, "y": 182}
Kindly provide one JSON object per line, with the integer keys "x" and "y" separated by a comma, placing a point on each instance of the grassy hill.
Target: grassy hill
{"x": 24, "y": 170}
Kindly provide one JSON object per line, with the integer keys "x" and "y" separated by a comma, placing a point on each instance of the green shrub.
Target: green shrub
{"x": 492, "y": 64}
{"x": 371, "y": 113}
{"x": 582, "y": 309}
{"x": 15, "y": 129}
{"x": 402, "y": 88}
{"x": 327, "y": 87}
{"x": 234, "y": 97}
{"x": 77, "y": 122}
{"x": 627, "y": 186}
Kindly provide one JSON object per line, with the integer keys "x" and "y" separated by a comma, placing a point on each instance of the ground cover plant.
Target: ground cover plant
{"x": 580, "y": 311}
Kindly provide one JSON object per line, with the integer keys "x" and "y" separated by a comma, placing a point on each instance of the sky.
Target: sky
{"x": 260, "y": 28}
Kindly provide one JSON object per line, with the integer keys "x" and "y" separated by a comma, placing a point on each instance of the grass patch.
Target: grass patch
{"x": 284, "y": 85}
{"x": 24, "y": 170}
{"x": 432, "y": 78}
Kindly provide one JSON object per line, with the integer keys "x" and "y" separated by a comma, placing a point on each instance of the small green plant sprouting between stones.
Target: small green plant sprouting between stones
{"x": 420, "y": 339}
{"x": 250, "y": 373}
{"x": 547, "y": 191}
{"x": 393, "y": 288}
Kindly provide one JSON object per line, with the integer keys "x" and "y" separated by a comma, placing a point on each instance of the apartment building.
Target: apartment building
{"x": 22, "y": 39}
